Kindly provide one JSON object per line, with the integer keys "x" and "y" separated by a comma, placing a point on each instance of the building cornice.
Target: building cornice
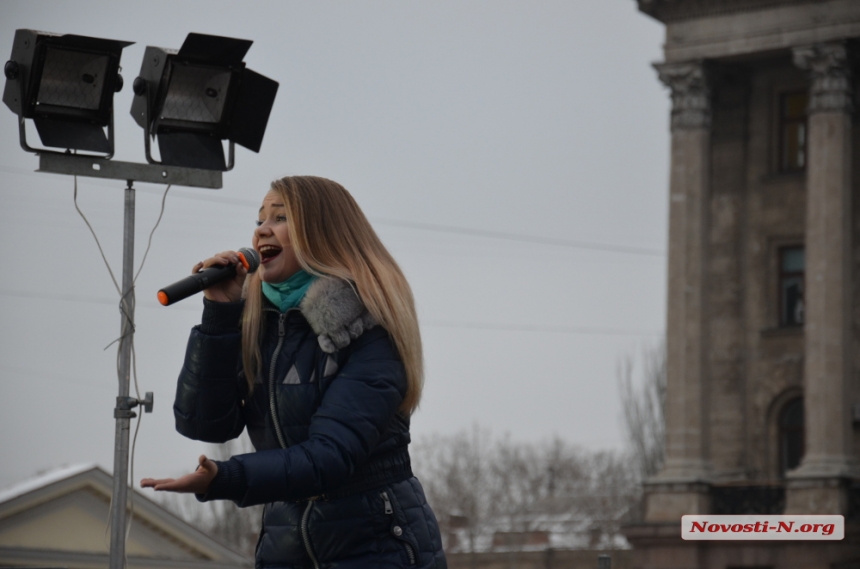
{"x": 759, "y": 29}
{"x": 668, "y": 11}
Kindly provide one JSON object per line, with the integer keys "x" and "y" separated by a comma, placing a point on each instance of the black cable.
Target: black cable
{"x": 90, "y": 299}
{"x": 457, "y": 230}
{"x": 543, "y": 329}
{"x": 520, "y": 237}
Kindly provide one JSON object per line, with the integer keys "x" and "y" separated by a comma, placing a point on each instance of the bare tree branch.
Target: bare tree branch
{"x": 501, "y": 495}
{"x": 644, "y": 409}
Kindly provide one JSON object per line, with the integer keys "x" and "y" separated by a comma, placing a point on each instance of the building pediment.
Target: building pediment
{"x": 61, "y": 519}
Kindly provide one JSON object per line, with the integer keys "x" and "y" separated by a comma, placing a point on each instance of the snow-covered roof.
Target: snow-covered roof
{"x": 562, "y": 531}
{"x": 166, "y": 537}
{"x": 42, "y": 480}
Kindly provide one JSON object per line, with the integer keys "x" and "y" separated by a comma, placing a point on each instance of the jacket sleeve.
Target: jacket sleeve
{"x": 356, "y": 408}
{"x": 209, "y": 392}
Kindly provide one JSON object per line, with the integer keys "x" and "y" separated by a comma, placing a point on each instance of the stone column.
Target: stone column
{"x": 680, "y": 487}
{"x": 815, "y": 486}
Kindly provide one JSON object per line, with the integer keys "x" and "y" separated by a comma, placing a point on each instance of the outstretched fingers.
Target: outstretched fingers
{"x": 156, "y": 483}
{"x": 196, "y": 482}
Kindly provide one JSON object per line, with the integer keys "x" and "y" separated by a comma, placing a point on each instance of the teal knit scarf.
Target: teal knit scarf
{"x": 289, "y": 294}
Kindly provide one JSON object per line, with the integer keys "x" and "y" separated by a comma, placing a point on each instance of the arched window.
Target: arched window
{"x": 790, "y": 435}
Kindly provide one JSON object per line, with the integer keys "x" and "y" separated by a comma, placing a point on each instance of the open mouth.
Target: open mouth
{"x": 268, "y": 252}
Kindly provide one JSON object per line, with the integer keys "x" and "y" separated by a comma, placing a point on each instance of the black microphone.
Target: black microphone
{"x": 207, "y": 277}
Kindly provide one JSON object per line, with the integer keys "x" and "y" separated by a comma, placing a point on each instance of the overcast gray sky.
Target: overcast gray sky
{"x": 541, "y": 119}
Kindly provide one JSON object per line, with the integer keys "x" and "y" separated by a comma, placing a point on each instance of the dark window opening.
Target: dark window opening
{"x": 792, "y": 131}
{"x": 791, "y": 271}
{"x": 791, "y": 435}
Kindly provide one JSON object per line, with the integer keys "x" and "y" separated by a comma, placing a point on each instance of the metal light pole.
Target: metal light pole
{"x": 122, "y": 413}
{"x": 154, "y": 173}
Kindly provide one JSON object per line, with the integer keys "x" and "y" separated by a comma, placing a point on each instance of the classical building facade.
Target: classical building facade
{"x": 763, "y": 323}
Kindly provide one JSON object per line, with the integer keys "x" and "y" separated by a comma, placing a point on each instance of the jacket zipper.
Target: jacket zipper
{"x": 306, "y": 536}
{"x": 397, "y": 530}
{"x": 272, "y": 396}
{"x": 276, "y": 423}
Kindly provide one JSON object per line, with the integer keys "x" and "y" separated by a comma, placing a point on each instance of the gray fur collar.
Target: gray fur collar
{"x": 335, "y": 312}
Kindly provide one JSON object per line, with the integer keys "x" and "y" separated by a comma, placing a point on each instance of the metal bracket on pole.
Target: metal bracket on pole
{"x": 77, "y": 165}
{"x": 124, "y": 406}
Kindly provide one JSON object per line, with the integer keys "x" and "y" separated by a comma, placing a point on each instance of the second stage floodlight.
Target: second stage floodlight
{"x": 65, "y": 84}
{"x": 193, "y": 99}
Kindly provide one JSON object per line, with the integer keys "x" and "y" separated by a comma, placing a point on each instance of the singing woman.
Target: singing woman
{"x": 318, "y": 355}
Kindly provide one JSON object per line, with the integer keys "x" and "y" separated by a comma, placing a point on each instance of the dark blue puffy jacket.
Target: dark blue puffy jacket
{"x": 332, "y": 464}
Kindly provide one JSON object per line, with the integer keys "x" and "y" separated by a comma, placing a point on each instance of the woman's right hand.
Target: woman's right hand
{"x": 229, "y": 290}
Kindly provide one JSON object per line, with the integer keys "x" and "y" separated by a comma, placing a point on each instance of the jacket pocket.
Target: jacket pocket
{"x": 398, "y": 527}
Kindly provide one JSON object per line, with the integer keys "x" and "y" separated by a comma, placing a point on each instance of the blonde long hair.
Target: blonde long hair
{"x": 332, "y": 237}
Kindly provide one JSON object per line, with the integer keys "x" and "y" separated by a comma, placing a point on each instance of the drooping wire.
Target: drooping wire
{"x": 134, "y": 370}
{"x": 125, "y": 314}
{"x": 99, "y": 245}
{"x": 151, "y": 233}
{"x": 119, "y": 291}
{"x": 126, "y": 307}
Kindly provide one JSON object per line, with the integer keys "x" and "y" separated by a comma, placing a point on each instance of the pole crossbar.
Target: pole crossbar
{"x": 94, "y": 167}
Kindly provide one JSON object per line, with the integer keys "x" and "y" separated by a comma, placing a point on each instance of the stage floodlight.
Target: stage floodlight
{"x": 65, "y": 84}
{"x": 195, "y": 98}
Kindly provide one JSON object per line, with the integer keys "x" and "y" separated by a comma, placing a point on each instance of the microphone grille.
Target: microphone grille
{"x": 252, "y": 257}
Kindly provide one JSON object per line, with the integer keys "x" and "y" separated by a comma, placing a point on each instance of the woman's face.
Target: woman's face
{"x": 278, "y": 260}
